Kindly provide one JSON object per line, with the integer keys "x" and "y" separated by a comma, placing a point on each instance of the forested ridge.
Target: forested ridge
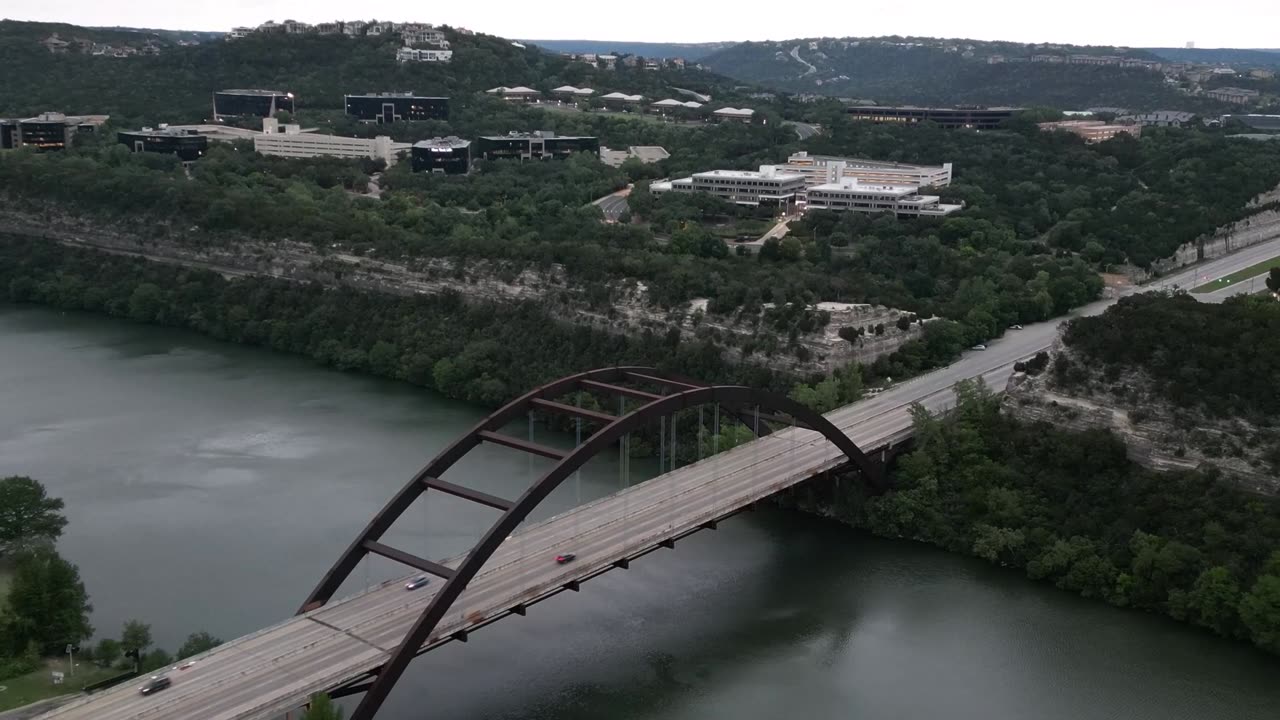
{"x": 877, "y": 69}
{"x": 1071, "y": 509}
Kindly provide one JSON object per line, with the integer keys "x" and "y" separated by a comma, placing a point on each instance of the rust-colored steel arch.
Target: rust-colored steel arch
{"x": 688, "y": 395}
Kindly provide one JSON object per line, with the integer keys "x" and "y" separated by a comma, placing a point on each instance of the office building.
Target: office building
{"x": 617, "y": 100}
{"x": 769, "y": 185}
{"x": 47, "y": 131}
{"x": 538, "y": 145}
{"x": 820, "y": 169}
{"x": 569, "y": 92}
{"x": 742, "y": 115}
{"x": 447, "y": 156}
{"x": 250, "y": 103}
{"x": 1159, "y": 118}
{"x": 518, "y": 94}
{"x": 949, "y": 118}
{"x": 849, "y": 195}
{"x": 290, "y": 142}
{"x": 1092, "y": 131}
{"x": 188, "y": 145}
{"x": 385, "y": 108}
{"x": 409, "y": 54}
{"x": 1238, "y": 96}
{"x": 671, "y": 106}
{"x": 647, "y": 154}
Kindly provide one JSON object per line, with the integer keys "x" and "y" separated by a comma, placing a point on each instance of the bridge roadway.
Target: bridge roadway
{"x": 272, "y": 671}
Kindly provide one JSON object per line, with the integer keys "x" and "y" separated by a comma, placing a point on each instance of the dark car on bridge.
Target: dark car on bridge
{"x": 567, "y": 557}
{"x": 156, "y": 684}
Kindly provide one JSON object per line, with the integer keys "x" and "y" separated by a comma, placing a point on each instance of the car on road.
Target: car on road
{"x": 566, "y": 557}
{"x": 979, "y": 347}
{"x": 1015, "y": 327}
{"x": 155, "y": 684}
{"x": 187, "y": 665}
{"x": 417, "y": 582}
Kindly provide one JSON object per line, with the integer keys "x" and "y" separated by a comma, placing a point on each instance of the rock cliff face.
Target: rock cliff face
{"x": 1158, "y": 435}
{"x": 1262, "y": 226}
{"x": 627, "y": 310}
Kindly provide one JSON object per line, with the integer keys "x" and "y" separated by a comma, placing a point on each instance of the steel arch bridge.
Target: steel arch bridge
{"x": 667, "y": 395}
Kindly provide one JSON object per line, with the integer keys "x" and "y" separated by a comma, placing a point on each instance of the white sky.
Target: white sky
{"x": 1140, "y": 23}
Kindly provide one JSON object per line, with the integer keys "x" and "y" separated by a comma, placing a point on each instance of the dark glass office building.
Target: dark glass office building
{"x": 50, "y": 131}
{"x": 950, "y": 118}
{"x": 534, "y": 146}
{"x": 250, "y": 103}
{"x": 9, "y": 137}
{"x": 385, "y": 108}
{"x": 186, "y": 144}
{"x": 449, "y": 156}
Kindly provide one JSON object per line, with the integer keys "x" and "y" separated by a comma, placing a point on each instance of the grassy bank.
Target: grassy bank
{"x": 38, "y": 685}
{"x": 1252, "y": 271}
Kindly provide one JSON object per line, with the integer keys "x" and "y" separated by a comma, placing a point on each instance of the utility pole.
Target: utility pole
{"x": 71, "y": 660}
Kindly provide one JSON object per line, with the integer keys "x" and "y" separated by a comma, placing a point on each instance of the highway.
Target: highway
{"x": 274, "y": 670}
{"x": 613, "y": 206}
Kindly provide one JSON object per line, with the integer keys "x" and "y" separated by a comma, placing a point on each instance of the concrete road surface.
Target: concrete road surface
{"x": 804, "y": 130}
{"x": 274, "y": 670}
{"x": 613, "y": 206}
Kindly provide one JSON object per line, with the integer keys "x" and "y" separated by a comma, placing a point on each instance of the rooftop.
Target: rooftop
{"x": 850, "y": 184}
{"x": 622, "y": 96}
{"x": 934, "y": 109}
{"x": 736, "y": 112}
{"x": 408, "y": 94}
{"x": 241, "y": 91}
{"x": 165, "y": 131}
{"x": 765, "y": 172}
{"x": 517, "y": 90}
{"x": 443, "y": 143}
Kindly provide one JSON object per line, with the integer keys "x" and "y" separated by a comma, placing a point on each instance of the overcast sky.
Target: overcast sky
{"x": 1223, "y": 23}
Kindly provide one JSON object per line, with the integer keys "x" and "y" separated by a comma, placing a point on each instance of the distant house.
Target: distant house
{"x": 569, "y": 92}
{"x": 329, "y": 28}
{"x": 424, "y": 36}
{"x": 55, "y": 44}
{"x": 239, "y": 32}
{"x": 608, "y": 61}
{"x": 354, "y": 28}
{"x": 671, "y": 106}
{"x": 408, "y": 54}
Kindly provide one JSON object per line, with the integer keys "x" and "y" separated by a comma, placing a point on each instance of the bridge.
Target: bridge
{"x": 362, "y": 643}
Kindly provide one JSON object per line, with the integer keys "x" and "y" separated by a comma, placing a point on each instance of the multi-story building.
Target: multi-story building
{"x": 949, "y": 118}
{"x": 769, "y": 186}
{"x": 1094, "y": 60}
{"x": 239, "y": 32}
{"x": 647, "y": 154}
{"x": 187, "y": 144}
{"x": 539, "y": 145}
{"x": 354, "y": 28}
{"x": 1239, "y": 96}
{"x": 379, "y": 28}
{"x": 849, "y": 195}
{"x": 329, "y": 28}
{"x": 385, "y": 108}
{"x": 47, "y": 131}
{"x": 742, "y": 115}
{"x": 671, "y": 106}
{"x": 255, "y": 103}
{"x": 1092, "y": 131}
{"x": 288, "y": 141}
{"x": 409, "y": 54}
{"x": 822, "y": 169}
{"x": 448, "y": 156}
{"x": 294, "y": 27}
{"x": 517, "y": 94}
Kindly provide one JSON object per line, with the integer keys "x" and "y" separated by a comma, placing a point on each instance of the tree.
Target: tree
{"x": 136, "y": 637}
{"x": 322, "y": 708}
{"x": 107, "y": 652}
{"x": 28, "y": 516}
{"x": 155, "y": 660}
{"x": 48, "y": 604}
{"x": 197, "y": 643}
{"x": 1260, "y": 612}
{"x": 1273, "y": 280}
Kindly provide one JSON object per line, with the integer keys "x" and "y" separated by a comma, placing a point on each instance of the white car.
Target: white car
{"x": 979, "y": 347}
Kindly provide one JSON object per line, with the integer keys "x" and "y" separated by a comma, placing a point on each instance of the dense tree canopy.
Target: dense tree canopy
{"x": 28, "y": 516}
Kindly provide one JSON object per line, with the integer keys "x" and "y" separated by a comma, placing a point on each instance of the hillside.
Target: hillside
{"x": 930, "y": 71}
{"x": 1215, "y": 56}
{"x": 688, "y": 51}
{"x": 176, "y": 84}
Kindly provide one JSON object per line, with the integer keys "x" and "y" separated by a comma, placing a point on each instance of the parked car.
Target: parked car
{"x": 567, "y": 557}
{"x": 417, "y": 582}
{"x": 156, "y": 684}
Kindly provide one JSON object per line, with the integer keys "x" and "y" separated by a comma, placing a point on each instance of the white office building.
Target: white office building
{"x": 823, "y": 169}
{"x": 850, "y": 195}
{"x": 288, "y": 141}
{"x": 769, "y": 185}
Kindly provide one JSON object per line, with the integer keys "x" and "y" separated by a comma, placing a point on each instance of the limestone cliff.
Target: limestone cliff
{"x": 1158, "y": 435}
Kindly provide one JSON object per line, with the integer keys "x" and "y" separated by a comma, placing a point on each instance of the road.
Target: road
{"x": 613, "y": 206}
{"x": 274, "y": 670}
{"x": 804, "y": 130}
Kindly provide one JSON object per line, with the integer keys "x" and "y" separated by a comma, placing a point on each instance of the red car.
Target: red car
{"x": 567, "y": 557}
